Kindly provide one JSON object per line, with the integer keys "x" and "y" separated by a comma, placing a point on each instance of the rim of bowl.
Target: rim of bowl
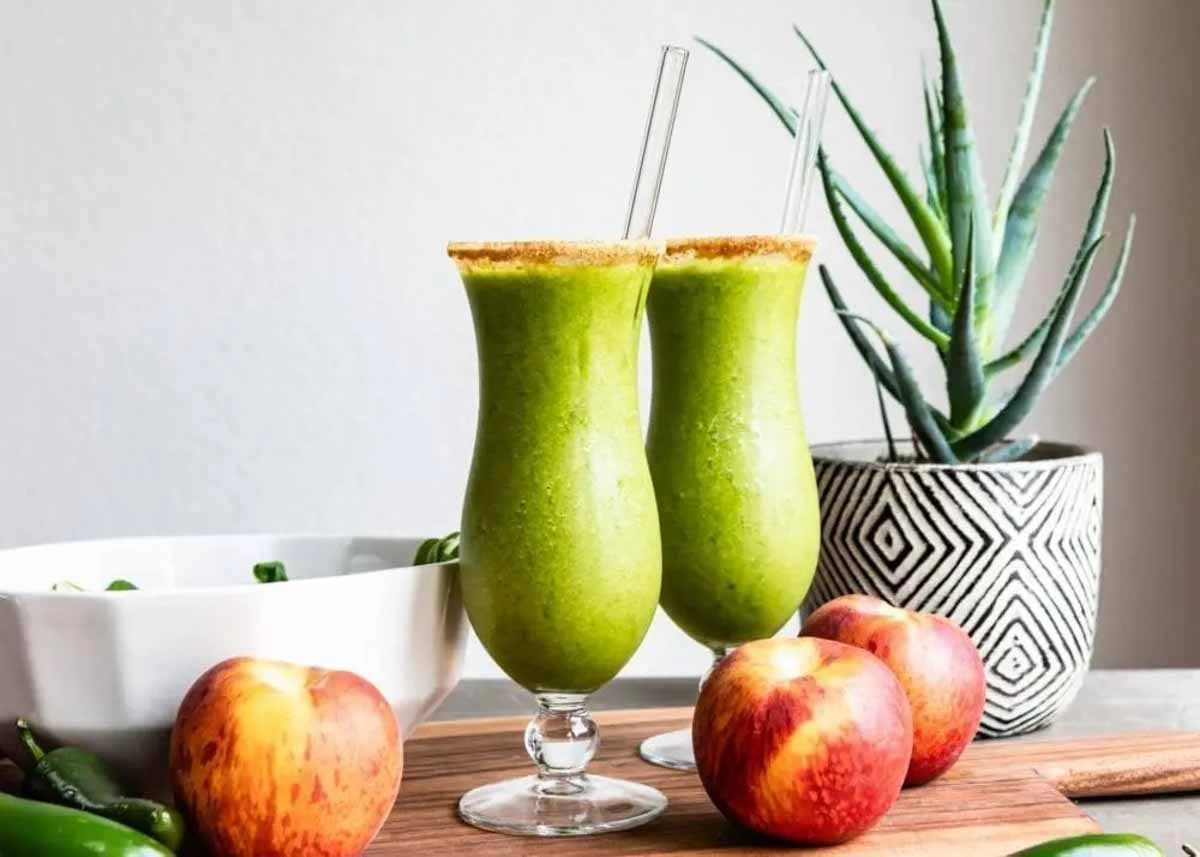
{"x": 226, "y": 588}
{"x": 1058, "y": 454}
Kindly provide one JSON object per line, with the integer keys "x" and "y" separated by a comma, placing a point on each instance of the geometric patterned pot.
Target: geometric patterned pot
{"x": 1011, "y": 552}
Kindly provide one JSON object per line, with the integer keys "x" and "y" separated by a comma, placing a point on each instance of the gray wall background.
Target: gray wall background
{"x": 224, "y": 301}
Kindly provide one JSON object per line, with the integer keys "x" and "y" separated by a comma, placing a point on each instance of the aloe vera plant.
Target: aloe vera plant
{"x": 974, "y": 261}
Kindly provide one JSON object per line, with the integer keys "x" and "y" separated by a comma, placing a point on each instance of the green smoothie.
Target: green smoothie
{"x": 737, "y": 498}
{"x": 561, "y": 559}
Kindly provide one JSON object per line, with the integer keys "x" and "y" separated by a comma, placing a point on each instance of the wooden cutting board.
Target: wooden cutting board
{"x": 1000, "y": 797}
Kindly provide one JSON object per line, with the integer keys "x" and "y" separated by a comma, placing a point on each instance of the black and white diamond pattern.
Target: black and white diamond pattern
{"x": 1010, "y": 552}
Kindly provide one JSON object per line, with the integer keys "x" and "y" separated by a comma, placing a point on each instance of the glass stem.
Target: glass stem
{"x": 718, "y": 653}
{"x": 561, "y": 739}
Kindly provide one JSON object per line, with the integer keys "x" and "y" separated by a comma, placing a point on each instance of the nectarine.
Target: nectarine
{"x": 936, "y": 663}
{"x": 270, "y": 759}
{"x": 804, "y": 740}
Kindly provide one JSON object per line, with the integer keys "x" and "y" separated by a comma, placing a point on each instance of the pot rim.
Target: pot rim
{"x": 1058, "y": 454}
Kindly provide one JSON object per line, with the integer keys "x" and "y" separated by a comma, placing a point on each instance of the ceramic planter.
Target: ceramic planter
{"x": 1009, "y": 551}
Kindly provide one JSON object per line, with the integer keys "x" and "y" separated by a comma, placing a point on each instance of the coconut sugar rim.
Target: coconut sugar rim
{"x": 517, "y": 254}
{"x": 796, "y": 247}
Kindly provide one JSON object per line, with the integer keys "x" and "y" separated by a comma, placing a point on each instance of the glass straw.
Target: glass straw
{"x": 804, "y": 153}
{"x": 647, "y": 181}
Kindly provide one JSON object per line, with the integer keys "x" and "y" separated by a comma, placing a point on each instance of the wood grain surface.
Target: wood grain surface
{"x": 1002, "y": 796}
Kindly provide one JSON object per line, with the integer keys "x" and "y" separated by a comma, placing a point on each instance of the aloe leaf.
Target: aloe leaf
{"x": 937, "y": 149}
{"x": 887, "y": 423}
{"x": 940, "y": 319}
{"x": 870, "y": 356}
{"x": 1033, "y": 90}
{"x": 1093, "y": 318}
{"x": 1099, "y": 212}
{"x": 1021, "y": 222}
{"x": 1041, "y": 371}
{"x": 1029, "y": 345}
{"x": 931, "y": 191}
{"x": 891, "y": 240}
{"x": 873, "y": 274}
{"x": 1038, "y": 335}
{"x": 920, "y": 415}
{"x": 1010, "y": 451}
{"x": 966, "y": 382}
{"x": 785, "y": 114}
{"x": 928, "y": 226}
{"x": 865, "y": 350}
{"x": 966, "y": 190}
{"x": 1095, "y": 223}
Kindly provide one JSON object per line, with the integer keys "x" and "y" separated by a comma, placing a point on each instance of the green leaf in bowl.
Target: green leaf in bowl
{"x": 437, "y": 550}
{"x": 270, "y": 572}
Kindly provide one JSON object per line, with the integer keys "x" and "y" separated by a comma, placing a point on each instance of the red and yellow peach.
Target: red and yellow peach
{"x": 804, "y": 740}
{"x": 937, "y": 665}
{"x": 270, "y": 759}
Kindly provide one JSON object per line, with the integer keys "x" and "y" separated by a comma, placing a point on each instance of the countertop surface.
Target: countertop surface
{"x": 1111, "y": 702}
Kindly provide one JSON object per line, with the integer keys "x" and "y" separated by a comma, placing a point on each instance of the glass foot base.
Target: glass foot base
{"x": 576, "y": 806}
{"x": 670, "y": 750}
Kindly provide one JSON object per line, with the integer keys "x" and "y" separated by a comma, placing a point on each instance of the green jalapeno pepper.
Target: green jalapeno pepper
{"x": 30, "y": 828}
{"x": 78, "y": 779}
{"x": 1095, "y": 845}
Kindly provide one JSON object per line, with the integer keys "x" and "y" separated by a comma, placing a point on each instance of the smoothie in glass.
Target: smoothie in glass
{"x": 560, "y": 556}
{"x": 737, "y": 498}
{"x": 736, "y": 493}
{"x": 560, "y": 546}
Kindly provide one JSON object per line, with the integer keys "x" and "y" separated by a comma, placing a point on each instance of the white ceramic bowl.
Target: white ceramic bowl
{"x": 107, "y": 670}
